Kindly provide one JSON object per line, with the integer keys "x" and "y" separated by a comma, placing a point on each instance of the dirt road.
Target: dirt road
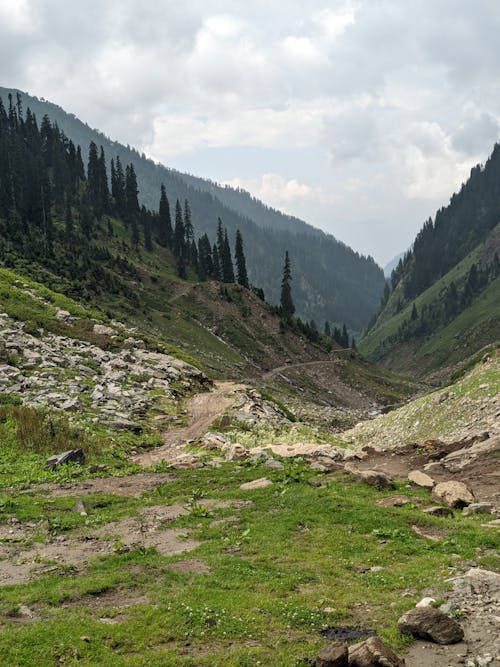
{"x": 202, "y": 410}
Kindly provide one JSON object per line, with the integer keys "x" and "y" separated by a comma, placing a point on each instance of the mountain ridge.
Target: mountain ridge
{"x": 332, "y": 281}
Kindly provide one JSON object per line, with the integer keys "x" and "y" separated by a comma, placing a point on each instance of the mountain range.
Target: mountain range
{"x": 331, "y": 282}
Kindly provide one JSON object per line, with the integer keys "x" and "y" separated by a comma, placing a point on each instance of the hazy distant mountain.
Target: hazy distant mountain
{"x": 388, "y": 268}
{"x": 330, "y": 280}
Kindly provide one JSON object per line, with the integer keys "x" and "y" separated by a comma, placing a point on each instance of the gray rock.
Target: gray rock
{"x": 478, "y": 508}
{"x": 274, "y": 465}
{"x": 375, "y": 478}
{"x": 261, "y": 483}
{"x": 438, "y": 510}
{"x": 431, "y": 624}
{"x": 333, "y": 655}
{"x": 419, "y": 478}
{"x": 125, "y": 425}
{"x": 72, "y": 455}
{"x": 454, "y": 494}
{"x": 102, "y": 330}
{"x": 373, "y": 653}
{"x": 236, "y": 452}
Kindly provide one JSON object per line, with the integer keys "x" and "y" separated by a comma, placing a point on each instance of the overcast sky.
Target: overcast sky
{"x": 361, "y": 117}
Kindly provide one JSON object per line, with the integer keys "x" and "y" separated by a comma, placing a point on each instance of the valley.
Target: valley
{"x": 196, "y": 472}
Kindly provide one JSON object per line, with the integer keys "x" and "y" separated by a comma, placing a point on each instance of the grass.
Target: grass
{"x": 275, "y": 566}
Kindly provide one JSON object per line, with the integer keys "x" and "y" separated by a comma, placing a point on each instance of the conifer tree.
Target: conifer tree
{"x": 179, "y": 232}
{"x": 241, "y": 267}
{"x": 344, "y": 337}
{"x": 217, "y": 274}
{"x": 286, "y": 303}
{"x": 188, "y": 230}
{"x": 328, "y": 331}
{"x": 165, "y": 222}
{"x": 226, "y": 261}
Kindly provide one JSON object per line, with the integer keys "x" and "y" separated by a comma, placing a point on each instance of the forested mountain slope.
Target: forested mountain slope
{"x": 443, "y": 301}
{"x": 331, "y": 281}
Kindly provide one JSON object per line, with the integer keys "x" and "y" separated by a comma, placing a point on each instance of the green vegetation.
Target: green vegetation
{"x": 274, "y": 573}
{"x": 451, "y": 340}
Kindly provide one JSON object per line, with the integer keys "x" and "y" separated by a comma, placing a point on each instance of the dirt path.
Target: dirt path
{"x": 307, "y": 364}
{"x": 202, "y": 410}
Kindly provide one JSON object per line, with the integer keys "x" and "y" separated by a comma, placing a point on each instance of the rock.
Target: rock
{"x": 425, "y": 602}
{"x": 438, "y": 510}
{"x": 102, "y": 330}
{"x": 478, "y": 508}
{"x": 431, "y": 624}
{"x": 398, "y": 501}
{"x": 333, "y": 655}
{"x": 373, "y": 653}
{"x": 72, "y": 455}
{"x": 421, "y": 479}
{"x": 62, "y": 315}
{"x": 274, "y": 465}
{"x": 454, "y": 494}
{"x": 236, "y": 452}
{"x": 261, "y": 483}
{"x": 375, "y": 478}
{"x": 125, "y": 425}
{"x": 461, "y": 458}
{"x": 80, "y": 508}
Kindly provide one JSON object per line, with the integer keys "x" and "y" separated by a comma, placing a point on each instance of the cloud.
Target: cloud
{"x": 391, "y": 102}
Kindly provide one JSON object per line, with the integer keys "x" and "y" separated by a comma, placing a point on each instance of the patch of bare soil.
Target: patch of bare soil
{"x": 469, "y": 461}
{"x": 117, "y": 598}
{"x": 131, "y": 485}
{"x": 20, "y": 562}
{"x": 202, "y": 411}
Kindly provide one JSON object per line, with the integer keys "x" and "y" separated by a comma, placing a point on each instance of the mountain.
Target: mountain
{"x": 443, "y": 303}
{"x": 330, "y": 280}
{"x": 391, "y": 265}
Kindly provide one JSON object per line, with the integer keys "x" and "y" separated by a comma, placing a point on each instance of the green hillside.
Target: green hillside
{"x": 442, "y": 303}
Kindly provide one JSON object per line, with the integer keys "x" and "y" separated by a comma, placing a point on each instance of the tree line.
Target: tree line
{"x": 56, "y": 214}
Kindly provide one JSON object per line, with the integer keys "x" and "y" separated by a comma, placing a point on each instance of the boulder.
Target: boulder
{"x": 261, "y": 483}
{"x": 102, "y": 330}
{"x": 373, "y": 653}
{"x": 333, "y": 655}
{"x": 461, "y": 458}
{"x": 438, "y": 510}
{"x": 72, "y": 455}
{"x": 431, "y": 624}
{"x": 274, "y": 465}
{"x": 236, "y": 452}
{"x": 454, "y": 494}
{"x": 375, "y": 478}
{"x": 419, "y": 478}
{"x": 398, "y": 501}
{"x": 478, "y": 508}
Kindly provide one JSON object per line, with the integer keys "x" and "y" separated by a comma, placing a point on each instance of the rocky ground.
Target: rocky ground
{"x": 119, "y": 389}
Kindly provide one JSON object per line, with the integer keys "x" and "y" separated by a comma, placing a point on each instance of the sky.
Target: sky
{"x": 361, "y": 117}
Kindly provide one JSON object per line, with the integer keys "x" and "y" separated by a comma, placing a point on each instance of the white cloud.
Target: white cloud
{"x": 363, "y": 116}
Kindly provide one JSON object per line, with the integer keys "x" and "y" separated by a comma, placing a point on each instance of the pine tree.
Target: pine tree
{"x": 205, "y": 264}
{"x": 118, "y": 187}
{"x": 328, "y": 331}
{"x": 217, "y": 275}
{"x": 286, "y": 302}
{"x": 241, "y": 266}
{"x": 165, "y": 222}
{"x": 188, "y": 230}
{"x": 226, "y": 261}
{"x": 179, "y": 232}
{"x": 414, "y": 313}
{"x": 344, "y": 337}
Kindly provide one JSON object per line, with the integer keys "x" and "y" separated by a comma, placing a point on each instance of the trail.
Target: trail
{"x": 306, "y": 364}
{"x": 202, "y": 410}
